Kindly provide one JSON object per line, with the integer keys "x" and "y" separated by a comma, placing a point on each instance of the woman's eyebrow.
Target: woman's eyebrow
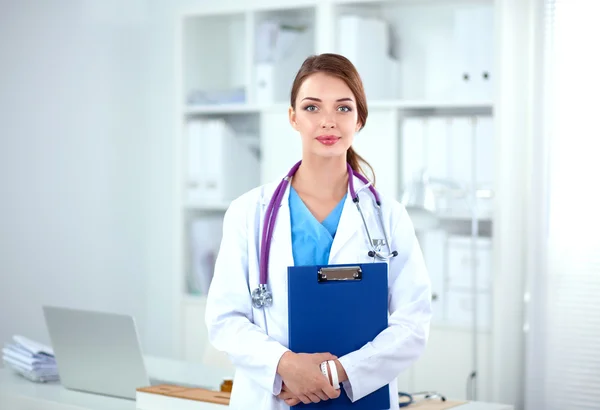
{"x": 319, "y": 100}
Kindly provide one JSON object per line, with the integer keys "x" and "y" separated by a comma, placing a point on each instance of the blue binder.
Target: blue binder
{"x": 338, "y": 309}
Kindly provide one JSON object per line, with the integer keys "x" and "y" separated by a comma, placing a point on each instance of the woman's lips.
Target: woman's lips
{"x": 328, "y": 139}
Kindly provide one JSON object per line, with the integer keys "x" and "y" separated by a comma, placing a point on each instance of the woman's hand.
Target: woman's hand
{"x": 288, "y": 396}
{"x": 301, "y": 374}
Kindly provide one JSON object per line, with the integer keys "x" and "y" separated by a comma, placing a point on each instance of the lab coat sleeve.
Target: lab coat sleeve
{"x": 229, "y": 316}
{"x": 379, "y": 362}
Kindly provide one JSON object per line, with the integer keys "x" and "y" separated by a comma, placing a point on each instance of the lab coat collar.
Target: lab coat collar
{"x": 350, "y": 219}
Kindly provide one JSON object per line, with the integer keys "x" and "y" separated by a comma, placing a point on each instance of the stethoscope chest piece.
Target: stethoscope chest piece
{"x": 261, "y": 297}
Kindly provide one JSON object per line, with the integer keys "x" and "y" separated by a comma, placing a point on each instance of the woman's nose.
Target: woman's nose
{"x": 328, "y": 122}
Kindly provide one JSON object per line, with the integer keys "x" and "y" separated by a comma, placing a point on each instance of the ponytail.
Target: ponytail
{"x": 355, "y": 161}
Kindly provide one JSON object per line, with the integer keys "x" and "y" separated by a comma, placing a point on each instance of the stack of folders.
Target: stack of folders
{"x": 30, "y": 359}
{"x": 367, "y": 43}
{"x": 166, "y": 396}
{"x": 280, "y": 48}
{"x": 216, "y": 154}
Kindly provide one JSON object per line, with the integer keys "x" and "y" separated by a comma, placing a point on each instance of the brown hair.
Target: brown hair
{"x": 338, "y": 66}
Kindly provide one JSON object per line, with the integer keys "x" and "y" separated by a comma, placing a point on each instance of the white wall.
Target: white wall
{"x": 86, "y": 118}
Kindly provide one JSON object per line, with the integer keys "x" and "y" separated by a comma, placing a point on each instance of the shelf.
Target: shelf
{"x": 221, "y": 109}
{"x": 456, "y": 222}
{"x": 460, "y": 215}
{"x": 453, "y": 327}
{"x": 215, "y": 9}
{"x": 424, "y": 104}
{"x": 431, "y": 105}
{"x": 438, "y": 107}
{"x": 208, "y": 206}
{"x": 378, "y": 3}
{"x": 228, "y": 109}
{"x": 190, "y": 299}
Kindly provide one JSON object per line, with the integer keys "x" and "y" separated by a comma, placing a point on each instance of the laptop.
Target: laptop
{"x": 97, "y": 352}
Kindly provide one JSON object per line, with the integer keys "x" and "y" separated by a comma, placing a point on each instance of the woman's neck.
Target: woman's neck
{"x": 324, "y": 178}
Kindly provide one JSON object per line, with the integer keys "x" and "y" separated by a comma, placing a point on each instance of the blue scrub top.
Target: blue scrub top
{"x": 311, "y": 240}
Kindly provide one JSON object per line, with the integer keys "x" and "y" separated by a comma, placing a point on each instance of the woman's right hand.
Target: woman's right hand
{"x": 302, "y": 375}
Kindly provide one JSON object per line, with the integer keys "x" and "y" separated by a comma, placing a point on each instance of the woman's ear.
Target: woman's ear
{"x": 292, "y": 117}
{"x": 358, "y": 126}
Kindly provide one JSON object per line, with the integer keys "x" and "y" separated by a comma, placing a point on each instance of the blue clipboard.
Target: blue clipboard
{"x": 338, "y": 309}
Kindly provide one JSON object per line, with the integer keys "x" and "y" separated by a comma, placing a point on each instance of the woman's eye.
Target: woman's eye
{"x": 345, "y": 108}
{"x": 310, "y": 108}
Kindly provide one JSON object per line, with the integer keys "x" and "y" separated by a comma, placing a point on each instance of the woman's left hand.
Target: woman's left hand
{"x": 288, "y": 396}
{"x": 292, "y": 400}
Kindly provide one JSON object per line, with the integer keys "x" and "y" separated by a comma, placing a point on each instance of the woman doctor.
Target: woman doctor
{"x": 317, "y": 223}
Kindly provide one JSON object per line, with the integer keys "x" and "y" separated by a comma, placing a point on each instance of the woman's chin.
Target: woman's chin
{"x": 332, "y": 151}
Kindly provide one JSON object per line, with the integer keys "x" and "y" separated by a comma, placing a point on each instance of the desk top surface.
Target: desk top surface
{"x": 55, "y": 397}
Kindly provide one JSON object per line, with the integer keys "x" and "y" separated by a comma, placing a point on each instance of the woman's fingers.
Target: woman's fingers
{"x": 304, "y": 399}
{"x": 314, "y": 398}
{"x": 330, "y": 391}
{"x": 284, "y": 395}
{"x": 322, "y": 395}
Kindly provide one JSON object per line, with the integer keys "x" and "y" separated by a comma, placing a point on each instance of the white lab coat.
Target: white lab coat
{"x": 238, "y": 329}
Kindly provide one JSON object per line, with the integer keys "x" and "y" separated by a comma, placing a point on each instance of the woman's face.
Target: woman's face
{"x": 325, "y": 116}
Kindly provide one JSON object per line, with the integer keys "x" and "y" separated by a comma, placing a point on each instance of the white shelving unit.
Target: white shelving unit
{"x": 437, "y": 74}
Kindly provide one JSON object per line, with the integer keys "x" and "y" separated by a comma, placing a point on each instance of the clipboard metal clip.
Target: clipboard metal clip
{"x": 340, "y": 273}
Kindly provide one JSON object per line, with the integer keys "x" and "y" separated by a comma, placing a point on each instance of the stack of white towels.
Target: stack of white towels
{"x": 30, "y": 359}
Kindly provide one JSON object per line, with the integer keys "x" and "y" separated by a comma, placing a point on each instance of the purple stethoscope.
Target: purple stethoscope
{"x": 261, "y": 296}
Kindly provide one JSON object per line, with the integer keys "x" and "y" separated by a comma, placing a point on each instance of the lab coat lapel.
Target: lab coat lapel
{"x": 281, "y": 242}
{"x": 350, "y": 221}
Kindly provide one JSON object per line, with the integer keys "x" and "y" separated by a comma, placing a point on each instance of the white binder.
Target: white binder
{"x": 412, "y": 149}
{"x": 366, "y": 43}
{"x": 205, "y": 238}
{"x": 216, "y": 157}
{"x": 473, "y": 38}
{"x": 459, "y": 298}
{"x": 460, "y": 151}
{"x": 279, "y": 53}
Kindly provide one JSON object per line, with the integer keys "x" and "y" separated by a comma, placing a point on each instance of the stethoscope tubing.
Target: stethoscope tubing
{"x": 261, "y": 296}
